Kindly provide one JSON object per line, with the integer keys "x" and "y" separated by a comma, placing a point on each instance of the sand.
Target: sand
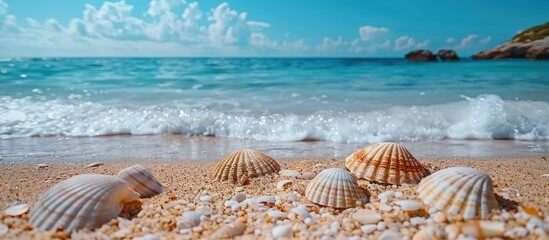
{"x": 521, "y": 184}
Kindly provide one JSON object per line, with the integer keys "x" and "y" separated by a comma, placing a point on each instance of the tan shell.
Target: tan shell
{"x": 141, "y": 180}
{"x": 83, "y": 201}
{"x": 230, "y": 230}
{"x": 335, "y": 187}
{"x": 388, "y": 163}
{"x": 459, "y": 191}
{"x": 243, "y": 164}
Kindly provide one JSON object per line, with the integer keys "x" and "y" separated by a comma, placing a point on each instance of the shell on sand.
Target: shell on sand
{"x": 459, "y": 191}
{"x": 82, "y": 201}
{"x": 243, "y": 164}
{"x": 335, "y": 187}
{"x": 141, "y": 180}
{"x": 229, "y": 230}
{"x": 388, "y": 163}
{"x": 17, "y": 209}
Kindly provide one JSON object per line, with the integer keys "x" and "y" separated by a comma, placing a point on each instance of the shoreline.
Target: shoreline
{"x": 518, "y": 180}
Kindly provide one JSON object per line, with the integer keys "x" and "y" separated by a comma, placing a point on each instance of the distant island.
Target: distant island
{"x": 532, "y": 43}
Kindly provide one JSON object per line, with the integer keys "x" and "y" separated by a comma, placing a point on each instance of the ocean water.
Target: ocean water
{"x": 277, "y": 100}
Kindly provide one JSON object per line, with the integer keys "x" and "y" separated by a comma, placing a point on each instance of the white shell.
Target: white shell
{"x": 189, "y": 220}
{"x": 284, "y": 184}
{"x": 459, "y": 191}
{"x": 266, "y": 199}
{"x": 229, "y": 230}
{"x": 240, "y": 166}
{"x": 408, "y": 205}
{"x": 302, "y": 211}
{"x": 289, "y": 173}
{"x": 141, "y": 180}
{"x": 388, "y": 163}
{"x": 275, "y": 214}
{"x": 282, "y": 231}
{"x": 366, "y": 216}
{"x": 335, "y": 187}
{"x": 83, "y": 201}
{"x": 94, "y": 164}
{"x": 239, "y": 196}
{"x": 17, "y": 209}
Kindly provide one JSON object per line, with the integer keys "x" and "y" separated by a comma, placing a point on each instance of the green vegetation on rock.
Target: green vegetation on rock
{"x": 532, "y": 34}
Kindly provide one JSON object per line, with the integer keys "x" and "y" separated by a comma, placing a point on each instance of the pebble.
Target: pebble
{"x": 42, "y": 165}
{"x": 365, "y": 216}
{"x": 206, "y": 198}
{"x": 146, "y": 237}
{"x": 384, "y": 207}
{"x": 399, "y": 194}
{"x": 368, "y": 228}
{"x": 302, "y": 211}
{"x": 390, "y": 235}
{"x": 121, "y": 233}
{"x": 3, "y": 229}
{"x": 188, "y": 220}
{"x": 266, "y": 199}
{"x": 275, "y": 214}
{"x": 239, "y": 196}
{"x": 417, "y": 220}
{"x": 230, "y": 203}
{"x": 381, "y": 225}
{"x": 534, "y": 223}
{"x": 385, "y": 196}
{"x": 408, "y": 205}
{"x": 284, "y": 184}
{"x": 204, "y": 210}
{"x": 239, "y": 189}
{"x": 282, "y": 231}
{"x": 289, "y": 173}
{"x": 308, "y": 175}
{"x": 516, "y": 232}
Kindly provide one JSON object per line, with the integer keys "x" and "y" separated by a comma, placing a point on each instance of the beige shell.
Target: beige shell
{"x": 459, "y": 191}
{"x": 388, "y": 163}
{"x": 141, "y": 180}
{"x": 82, "y": 201}
{"x": 230, "y": 230}
{"x": 335, "y": 187}
{"x": 243, "y": 164}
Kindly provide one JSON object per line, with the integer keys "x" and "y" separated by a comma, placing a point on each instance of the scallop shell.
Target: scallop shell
{"x": 141, "y": 180}
{"x": 459, "y": 191}
{"x": 385, "y": 163}
{"x": 83, "y": 201}
{"x": 229, "y": 230}
{"x": 335, "y": 187}
{"x": 243, "y": 164}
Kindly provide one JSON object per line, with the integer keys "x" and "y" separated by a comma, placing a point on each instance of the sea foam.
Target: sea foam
{"x": 482, "y": 117}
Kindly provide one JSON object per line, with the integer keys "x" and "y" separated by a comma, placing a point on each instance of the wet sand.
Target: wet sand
{"x": 522, "y": 184}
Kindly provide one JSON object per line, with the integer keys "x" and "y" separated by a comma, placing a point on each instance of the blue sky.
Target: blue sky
{"x": 259, "y": 28}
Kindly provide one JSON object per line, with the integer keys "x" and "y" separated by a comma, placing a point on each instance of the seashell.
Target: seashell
{"x": 385, "y": 196}
{"x": 284, "y": 184}
{"x": 388, "y": 163}
{"x": 282, "y": 231}
{"x": 229, "y": 230}
{"x": 94, "y": 164}
{"x": 205, "y": 198}
{"x": 141, "y": 180}
{"x": 83, "y": 201}
{"x": 275, "y": 214}
{"x": 335, "y": 187}
{"x": 408, "y": 205}
{"x": 42, "y": 165}
{"x": 476, "y": 229}
{"x": 239, "y": 196}
{"x": 243, "y": 164}
{"x": 458, "y": 191}
{"x": 289, "y": 173}
{"x": 266, "y": 199}
{"x": 17, "y": 209}
{"x": 302, "y": 211}
{"x": 366, "y": 216}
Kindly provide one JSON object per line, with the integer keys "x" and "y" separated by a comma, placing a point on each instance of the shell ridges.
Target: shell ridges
{"x": 243, "y": 164}
{"x": 388, "y": 163}
{"x": 336, "y": 188}
{"x": 141, "y": 180}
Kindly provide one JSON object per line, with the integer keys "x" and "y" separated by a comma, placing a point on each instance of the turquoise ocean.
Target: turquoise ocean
{"x": 269, "y": 101}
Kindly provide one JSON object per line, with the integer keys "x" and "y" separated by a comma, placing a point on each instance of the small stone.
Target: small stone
{"x": 239, "y": 189}
{"x": 408, "y": 205}
{"x": 417, "y": 220}
{"x": 302, "y": 211}
{"x": 230, "y": 203}
{"x": 42, "y": 165}
{"x": 121, "y": 233}
{"x": 282, "y": 231}
{"x": 399, "y": 194}
{"x": 206, "y": 198}
{"x": 289, "y": 173}
{"x": 384, "y": 207}
{"x": 17, "y": 209}
{"x": 365, "y": 216}
{"x": 385, "y": 196}
{"x": 275, "y": 214}
{"x": 534, "y": 223}
{"x": 517, "y": 232}
{"x": 390, "y": 235}
{"x": 95, "y": 164}
{"x": 368, "y": 228}
{"x": 239, "y": 196}
{"x": 204, "y": 210}
{"x": 146, "y": 237}
{"x": 308, "y": 175}
{"x": 3, "y": 229}
{"x": 266, "y": 199}
{"x": 381, "y": 225}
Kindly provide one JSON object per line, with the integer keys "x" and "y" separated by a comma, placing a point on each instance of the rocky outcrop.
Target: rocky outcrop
{"x": 420, "y": 55}
{"x": 447, "y": 55}
{"x": 532, "y": 43}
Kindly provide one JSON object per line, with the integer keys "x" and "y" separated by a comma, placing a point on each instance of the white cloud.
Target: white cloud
{"x": 368, "y": 32}
{"x": 3, "y": 7}
{"x": 450, "y": 40}
{"x": 467, "y": 41}
{"x": 159, "y": 7}
{"x": 404, "y": 42}
{"x": 258, "y": 25}
{"x": 259, "y": 40}
{"x": 329, "y": 45}
{"x": 486, "y": 40}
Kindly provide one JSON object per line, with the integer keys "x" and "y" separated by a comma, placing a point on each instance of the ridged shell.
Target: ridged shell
{"x": 335, "y": 187}
{"x": 459, "y": 191}
{"x": 388, "y": 163}
{"x": 83, "y": 201}
{"x": 141, "y": 180}
{"x": 243, "y": 164}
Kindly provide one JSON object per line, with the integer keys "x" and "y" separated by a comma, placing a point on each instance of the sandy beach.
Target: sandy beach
{"x": 521, "y": 184}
